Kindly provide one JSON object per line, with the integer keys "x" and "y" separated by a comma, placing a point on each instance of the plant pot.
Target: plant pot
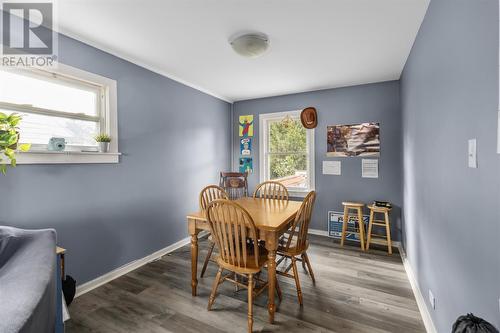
{"x": 103, "y": 147}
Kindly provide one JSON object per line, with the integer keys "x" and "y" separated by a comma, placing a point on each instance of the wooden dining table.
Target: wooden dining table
{"x": 271, "y": 217}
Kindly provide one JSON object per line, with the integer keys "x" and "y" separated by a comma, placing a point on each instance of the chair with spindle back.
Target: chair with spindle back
{"x": 295, "y": 243}
{"x": 235, "y": 184}
{"x": 207, "y": 195}
{"x": 235, "y": 234}
{"x": 271, "y": 190}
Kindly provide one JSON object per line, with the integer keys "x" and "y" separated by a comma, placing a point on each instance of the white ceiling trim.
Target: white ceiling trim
{"x": 144, "y": 65}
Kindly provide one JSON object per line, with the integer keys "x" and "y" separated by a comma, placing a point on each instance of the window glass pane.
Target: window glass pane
{"x": 38, "y": 129}
{"x": 291, "y": 170}
{"x": 287, "y": 136}
{"x": 47, "y": 94}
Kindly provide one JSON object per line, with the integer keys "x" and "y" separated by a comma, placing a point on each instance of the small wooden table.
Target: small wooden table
{"x": 271, "y": 217}
{"x": 61, "y": 252}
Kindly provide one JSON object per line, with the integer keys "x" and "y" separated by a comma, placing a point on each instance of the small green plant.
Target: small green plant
{"x": 9, "y": 137}
{"x": 102, "y": 137}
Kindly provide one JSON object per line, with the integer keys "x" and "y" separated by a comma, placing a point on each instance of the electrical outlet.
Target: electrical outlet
{"x": 432, "y": 300}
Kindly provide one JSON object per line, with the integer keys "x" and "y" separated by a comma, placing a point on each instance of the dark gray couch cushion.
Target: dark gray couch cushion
{"x": 27, "y": 280}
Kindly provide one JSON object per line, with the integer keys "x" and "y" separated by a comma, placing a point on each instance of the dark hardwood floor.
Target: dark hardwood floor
{"x": 355, "y": 292}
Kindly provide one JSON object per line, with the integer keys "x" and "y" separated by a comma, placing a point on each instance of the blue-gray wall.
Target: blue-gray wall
{"x": 449, "y": 92}
{"x": 374, "y": 102}
{"x": 174, "y": 141}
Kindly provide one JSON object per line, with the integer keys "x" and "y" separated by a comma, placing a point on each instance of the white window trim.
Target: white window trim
{"x": 265, "y": 117}
{"x": 107, "y": 111}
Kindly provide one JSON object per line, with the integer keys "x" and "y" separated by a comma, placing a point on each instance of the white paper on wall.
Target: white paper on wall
{"x": 332, "y": 168}
{"x": 369, "y": 168}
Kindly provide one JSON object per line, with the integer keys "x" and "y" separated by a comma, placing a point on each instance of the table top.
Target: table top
{"x": 267, "y": 214}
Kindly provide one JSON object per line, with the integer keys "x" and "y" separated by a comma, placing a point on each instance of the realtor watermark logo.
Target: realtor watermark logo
{"x": 28, "y": 34}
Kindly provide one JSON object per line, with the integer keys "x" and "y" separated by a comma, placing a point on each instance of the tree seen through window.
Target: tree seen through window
{"x": 288, "y": 152}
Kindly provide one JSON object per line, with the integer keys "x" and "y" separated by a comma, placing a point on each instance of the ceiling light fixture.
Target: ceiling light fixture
{"x": 250, "y": 45}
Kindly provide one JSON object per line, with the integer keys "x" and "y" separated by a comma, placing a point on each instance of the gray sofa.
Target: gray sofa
{"x": 27, "y": 280}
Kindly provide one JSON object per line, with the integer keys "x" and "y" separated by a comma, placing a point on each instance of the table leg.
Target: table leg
{"x": 271, "y": 246}
{"x": 194, "y": 263}
{"x": 194, "y": 256}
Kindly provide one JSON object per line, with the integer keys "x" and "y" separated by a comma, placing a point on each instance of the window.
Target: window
{"x": 287, "y": 151}
{"x": 66, "y": 103}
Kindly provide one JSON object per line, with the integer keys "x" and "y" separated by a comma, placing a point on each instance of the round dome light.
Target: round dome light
{"x": 250, "y": 45}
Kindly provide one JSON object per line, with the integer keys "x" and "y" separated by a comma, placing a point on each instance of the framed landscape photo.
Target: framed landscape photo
{"x": 353, "y": 140}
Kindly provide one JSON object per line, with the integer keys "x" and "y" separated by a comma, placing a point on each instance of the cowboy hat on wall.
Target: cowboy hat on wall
{"x": 309, "y": 118}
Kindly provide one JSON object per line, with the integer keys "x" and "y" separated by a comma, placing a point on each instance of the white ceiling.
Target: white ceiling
{"x": 314, "y": 44}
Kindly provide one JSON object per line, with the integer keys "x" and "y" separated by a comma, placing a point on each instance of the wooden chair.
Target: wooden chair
{"x": 235, "y": 184}
{"x": 271, "y": 190}
{"x": 295, "y": 243}
{"x": 235, "y": 234}
{"x": 207, "y": 195}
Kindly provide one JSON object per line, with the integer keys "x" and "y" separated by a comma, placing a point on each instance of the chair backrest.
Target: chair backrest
{"x": 235, "y": 184}
{"x": 211, "y": 193}
{"x": 271, "y": 190}
{"x": 300, "y": 225}
{"x": 231, "y": 226}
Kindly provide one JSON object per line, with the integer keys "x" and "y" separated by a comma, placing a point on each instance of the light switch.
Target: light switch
{"x": 472, "y": 153}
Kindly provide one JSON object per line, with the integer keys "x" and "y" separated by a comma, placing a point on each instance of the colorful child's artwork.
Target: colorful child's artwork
{"x": 246, "y": 125}
{"x": 353, "y": 140}
{"x": 246, "y": 146}
{"x": 246, "y": 165}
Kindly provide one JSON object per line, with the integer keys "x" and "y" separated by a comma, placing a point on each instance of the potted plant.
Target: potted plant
{"x": 9, "y": 138}
{"x": 103, "y": 140}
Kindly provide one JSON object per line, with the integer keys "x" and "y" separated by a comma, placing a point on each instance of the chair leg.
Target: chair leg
{"x": 236, "y": 286}
{"x": 297, "y": 282}
{"x": 304, "y": 266}
{"x": 278, "y": 290}
{"x": 250, "y": 303}
{"x": 207, "y": 259}
{"x": 214, "y": 289}
{"x": 309, "y": 267}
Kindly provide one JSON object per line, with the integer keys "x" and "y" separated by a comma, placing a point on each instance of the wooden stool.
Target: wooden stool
{"x": 382, "y": 223}
{"x": 358, "y": 217}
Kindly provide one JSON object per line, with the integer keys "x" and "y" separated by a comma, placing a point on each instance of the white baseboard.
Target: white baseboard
{"x": 325, "y": 233}
{"x": 424, "y": 311}
{"x": 103, "y": 279}
{"x": 317, "y": 232}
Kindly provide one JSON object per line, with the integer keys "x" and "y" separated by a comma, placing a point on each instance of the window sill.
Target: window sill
{"x": 66, "y": 157}
{"x": 298, "y": 194}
